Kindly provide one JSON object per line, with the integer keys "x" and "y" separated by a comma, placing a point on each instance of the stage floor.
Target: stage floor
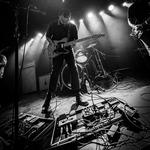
{"x": 134, "y": 91}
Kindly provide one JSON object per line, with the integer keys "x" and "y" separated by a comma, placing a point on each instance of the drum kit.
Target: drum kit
{"x": 92, "y": 74}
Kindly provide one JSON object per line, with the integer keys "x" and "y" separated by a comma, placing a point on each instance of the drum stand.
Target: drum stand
{"x": 85, "y": 80}
{"x": 102, "y": 75}
{"x": 99, "y": 62}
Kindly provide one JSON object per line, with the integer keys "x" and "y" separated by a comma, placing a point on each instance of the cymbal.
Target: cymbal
{"x": 80, "y": 50}
{"x": 91, "y": 45}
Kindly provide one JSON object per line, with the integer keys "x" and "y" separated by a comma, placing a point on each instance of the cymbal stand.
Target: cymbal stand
{"x": 16, "y": 97}
{"x": 85, "y": 76}
{"x": 100, "y": 68}
{"x": 99, "y": 62}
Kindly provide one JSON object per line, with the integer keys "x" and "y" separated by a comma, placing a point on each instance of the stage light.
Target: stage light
{"x": 26, "y": 46}
{"x": 111, "y": 7}
{"x": 72, "y": 21}
{"x": 82, "y": 33}
{"x": 101, "y": 12}
{"x": 94, "y": 23}
{"x": 90, "y": 15}
{"x": 125, "y": 4}
{"x": 81, "y": 20}
{"x": 39, "y": 34}
{"x": 63, "y": 1}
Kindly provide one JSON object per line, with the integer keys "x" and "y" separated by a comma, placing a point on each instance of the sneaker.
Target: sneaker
{"x": 79, "y": 101}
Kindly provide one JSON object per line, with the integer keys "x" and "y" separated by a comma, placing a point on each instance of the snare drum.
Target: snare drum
{"x": 80, "y": 57}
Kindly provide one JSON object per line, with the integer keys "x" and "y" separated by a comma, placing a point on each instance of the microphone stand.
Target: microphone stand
{"x": 16, "y": 97}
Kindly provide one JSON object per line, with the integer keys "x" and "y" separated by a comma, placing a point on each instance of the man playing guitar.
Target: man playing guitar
{"x": 59, "y": 32}
{"x": 139, "y": 19}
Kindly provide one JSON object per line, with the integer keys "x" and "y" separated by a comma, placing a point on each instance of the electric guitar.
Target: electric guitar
{"x": 59, "y": 47}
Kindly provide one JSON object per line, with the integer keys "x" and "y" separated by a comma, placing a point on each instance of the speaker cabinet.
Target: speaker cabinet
{"x": 44, "y": 82}
{"x": 29, "y": 78}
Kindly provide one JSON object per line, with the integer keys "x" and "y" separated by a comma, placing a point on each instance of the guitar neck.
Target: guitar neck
{"x": 83, "y": 39}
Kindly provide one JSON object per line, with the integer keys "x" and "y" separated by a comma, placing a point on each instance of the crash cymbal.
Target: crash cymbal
{"x": 91, "y": 45}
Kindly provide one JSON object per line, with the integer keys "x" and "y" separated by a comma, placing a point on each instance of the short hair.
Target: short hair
{"x": 3, "y": 60}
{"x": 65, "y": 12}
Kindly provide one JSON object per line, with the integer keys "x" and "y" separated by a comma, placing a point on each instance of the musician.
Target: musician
{"x": 3, "y": 62}
{"x": 57, "y": 31}
{"x": 139, "y": 19}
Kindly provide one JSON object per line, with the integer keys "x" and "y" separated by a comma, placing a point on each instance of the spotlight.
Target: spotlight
{"x": 39, "y": 34}
{"x": 81, "y": 20}
{"x": 125, "y": 4}
{"x": 90, "y": 14}
{"x": 101, "y": 12}
{"x": 111, "y": 7}
{"x": 72, "y": 21}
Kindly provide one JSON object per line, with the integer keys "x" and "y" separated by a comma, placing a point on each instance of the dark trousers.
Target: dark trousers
{"x": 56, "y": 70}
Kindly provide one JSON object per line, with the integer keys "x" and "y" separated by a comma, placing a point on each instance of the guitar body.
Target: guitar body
{"x": 57, "y": 48}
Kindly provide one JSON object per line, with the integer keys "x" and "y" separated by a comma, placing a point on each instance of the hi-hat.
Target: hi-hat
{"x": 91, "y": 45}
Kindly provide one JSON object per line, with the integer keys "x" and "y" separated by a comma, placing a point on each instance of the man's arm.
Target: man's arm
{"x": 74, "y": 34}
{"x": 49, "y": 34}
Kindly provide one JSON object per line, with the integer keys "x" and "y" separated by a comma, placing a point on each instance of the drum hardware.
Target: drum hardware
{"x": 91, "y": 45}
{"x": 81, "y": 56}
{"x": 86, "y": 83}
{"x": 102, "y": 79}
{"x": 65, "y": 76}
{"x": 84, "y": 79}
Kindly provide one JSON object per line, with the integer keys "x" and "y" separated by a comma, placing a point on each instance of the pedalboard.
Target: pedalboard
{"x": 84, "y": 123}
{"x": 30, "y": 127}
{"x": 87, "y": 122}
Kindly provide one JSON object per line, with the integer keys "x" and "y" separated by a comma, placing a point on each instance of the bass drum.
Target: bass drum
{"x": 66, "y": 77}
